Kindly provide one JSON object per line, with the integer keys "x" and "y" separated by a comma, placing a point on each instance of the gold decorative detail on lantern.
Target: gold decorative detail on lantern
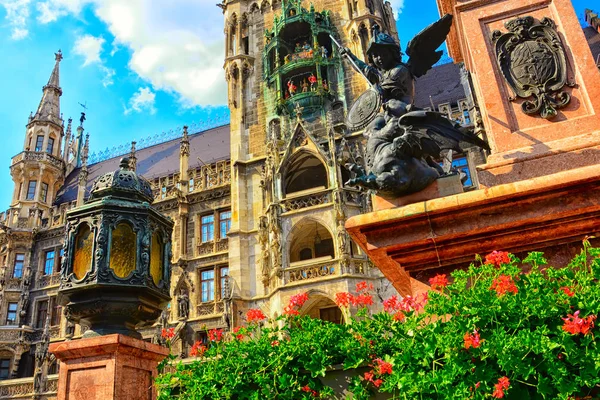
{"x": 122, "y": 250}
{"x": 156, "y": 258}
{"x": 82, "y": 259}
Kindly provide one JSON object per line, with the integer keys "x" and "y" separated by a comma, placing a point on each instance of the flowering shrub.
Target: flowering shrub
{"x": 490, "y": 331}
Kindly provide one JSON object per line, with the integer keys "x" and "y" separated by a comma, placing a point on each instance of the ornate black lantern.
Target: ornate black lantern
{"x": 115, "y": 275}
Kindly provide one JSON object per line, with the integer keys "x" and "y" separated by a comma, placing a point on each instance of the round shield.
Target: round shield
{"x": 364, "y": 110}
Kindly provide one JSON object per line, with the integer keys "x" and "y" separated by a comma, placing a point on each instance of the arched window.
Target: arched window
{"x": 304, "y": 172}
{"x": 310, "y": 240}
{"x": 245, "y": 41}
{"x": 232, "y": 36}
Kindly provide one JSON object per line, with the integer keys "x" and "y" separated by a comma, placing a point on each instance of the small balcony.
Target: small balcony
{"x": 302, "y": 200}
{"x": 45, "y": 281}
{"x": 38, "y": 156}
{"x": 209, "y": 309}
{"x": 213, "y": 246}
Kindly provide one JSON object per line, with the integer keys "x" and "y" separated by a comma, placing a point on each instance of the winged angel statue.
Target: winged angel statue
{"x": 403, "y": 141}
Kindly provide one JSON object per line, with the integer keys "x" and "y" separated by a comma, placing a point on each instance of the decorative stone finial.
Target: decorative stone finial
{"x": 299, "y": 109}
{"x": 58, "y": 56}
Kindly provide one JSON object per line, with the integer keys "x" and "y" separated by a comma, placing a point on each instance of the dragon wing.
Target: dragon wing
{"x": 422, "y": 48}
{"x": 432, "y": 133}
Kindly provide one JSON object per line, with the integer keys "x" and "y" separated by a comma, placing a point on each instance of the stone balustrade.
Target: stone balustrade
{"x": 292, "y": 203}
{"x": 312, "y": 271}
{"x": 47, "y": 281}
{"x": 23, "y": 389}
{"x": 213, "y": 246}
{"x": 38, "y": 156}
{"x": 210, "y": 308}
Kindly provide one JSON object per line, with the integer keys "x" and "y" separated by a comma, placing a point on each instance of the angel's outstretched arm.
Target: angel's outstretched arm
{"x": 371, "y": 73}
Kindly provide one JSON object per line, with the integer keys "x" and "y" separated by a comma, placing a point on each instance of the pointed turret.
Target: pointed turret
{"x": 49, "y": 108}
{"x": 67, "y": 141}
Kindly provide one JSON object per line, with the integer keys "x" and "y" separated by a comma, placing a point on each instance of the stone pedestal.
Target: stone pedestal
{"x": 441, "y": 187}
{"x": 107, "y": 367}
{"x": 540, "y": 189}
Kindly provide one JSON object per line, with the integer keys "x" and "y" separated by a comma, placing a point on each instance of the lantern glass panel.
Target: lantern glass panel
{"x": 156, "y": 258}
{"x": 82, "y": 258}
{"x": 123, "y": 250}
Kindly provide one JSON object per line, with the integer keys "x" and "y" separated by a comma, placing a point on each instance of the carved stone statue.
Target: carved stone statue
{"x": 164, "y": 318}
{"x": 342, "y": 238}
{"x": 38, "y": 380}
{"x": 402, "y": 141}
{"x": 263, "y": 240}
{"x": 183, "y": 305}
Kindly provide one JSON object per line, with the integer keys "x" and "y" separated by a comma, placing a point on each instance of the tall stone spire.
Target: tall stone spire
{"x": 49, "y": 108}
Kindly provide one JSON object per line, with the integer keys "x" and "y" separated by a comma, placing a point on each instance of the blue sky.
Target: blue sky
{"x": 141, "y": 66}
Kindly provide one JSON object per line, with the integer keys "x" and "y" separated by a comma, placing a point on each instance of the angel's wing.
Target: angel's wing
{"x": 435, "y": 133}
{"x": 422, "y": 48}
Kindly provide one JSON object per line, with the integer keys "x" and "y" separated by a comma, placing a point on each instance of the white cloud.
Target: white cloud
{"x": 109, "y": 73}
{"x": 176, "y": 45}
{"x": 397, "y": 6}
{"x": 89, "y": 47}
{"x": 142, "y": 100}
{"x": 51, "y": 10}
{"x": 17, "y": 14}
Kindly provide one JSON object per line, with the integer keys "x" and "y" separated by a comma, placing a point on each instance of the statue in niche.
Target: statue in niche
{"x": 183, "y": 305}
{"x": 263, "y": 240}
{"x": 403, "y": 141}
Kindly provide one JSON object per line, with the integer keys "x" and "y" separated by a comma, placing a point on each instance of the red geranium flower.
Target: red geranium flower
{"x": 198, "y": 349}
{"x": 168, "y": 333}
{"x": 472, "y": 340}
{"x": 504, "y": 284}
{"x": 383, "y": 367}
{"x": 215, "y": 335}
{"x": 236, "y": 331}
{"x": 363, "y": 287}
{"x": 567, "y": 290}
{"x": 299, "y": 299}
{"x": 362, "y": 300}
{"x": 343, "y": 299}
{"x": 391, "y": 305}
{"x": 296, "y": 302}
{"x": 499, "y": 388}
{"x": 438, "y": 282}
{"x": 575, "y": 325}
{"x": 255, "y": 315}
{"x": 497, "y": 258}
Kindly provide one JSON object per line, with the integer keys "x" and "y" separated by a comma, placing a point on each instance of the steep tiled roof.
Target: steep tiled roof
{"x": 162, "y": 159}
{"x": 442, "y": 83}
{"x": 593, "y": 39}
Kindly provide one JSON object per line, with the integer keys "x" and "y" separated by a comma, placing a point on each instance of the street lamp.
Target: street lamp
{"x": 116, "y": 273}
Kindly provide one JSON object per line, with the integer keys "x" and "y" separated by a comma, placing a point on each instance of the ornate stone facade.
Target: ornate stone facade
{"x": 259, "y": 205}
